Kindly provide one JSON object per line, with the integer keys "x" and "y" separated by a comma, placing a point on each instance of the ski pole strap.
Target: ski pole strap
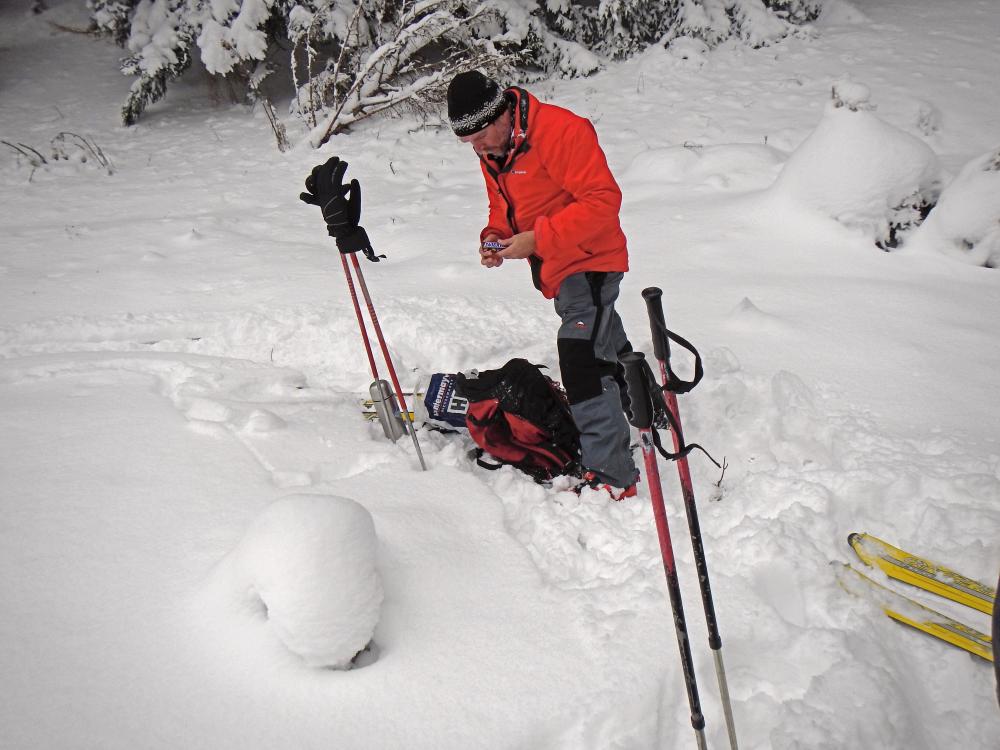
{"x": 683, "y": 450}
{"x": 675, "y": 384}
{"x": 641, "y": 368}
{"x": 355, "y": 240}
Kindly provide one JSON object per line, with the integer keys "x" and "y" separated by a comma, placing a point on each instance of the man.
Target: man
{"x": 554, "y": 202}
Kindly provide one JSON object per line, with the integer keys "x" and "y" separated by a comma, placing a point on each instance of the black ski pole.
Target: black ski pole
{"x": 641, "y": 417}
{"x": 661, "y": 348}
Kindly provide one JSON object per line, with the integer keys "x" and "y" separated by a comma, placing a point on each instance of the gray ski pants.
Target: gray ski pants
{"x": 591, "y": 338}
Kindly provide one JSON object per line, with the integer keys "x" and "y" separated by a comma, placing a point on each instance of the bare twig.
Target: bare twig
{"x": 722, "y": 476}
{"x": 84, "y": 145}
{"x": 34, "y": 158}
{"x": 351, "y": 27}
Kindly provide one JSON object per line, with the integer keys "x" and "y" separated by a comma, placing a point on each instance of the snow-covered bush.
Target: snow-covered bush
{"x": 619, "y": 28}
{"x": 862, "y": 171}
{"x": 308, "y": 561}
{"x": 755, "y": 22}
{"x": 352, "y": 58}
{"x": 965, "y": 223}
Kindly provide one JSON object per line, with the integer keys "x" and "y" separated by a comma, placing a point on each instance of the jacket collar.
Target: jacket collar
{"x": 519, "y": 131}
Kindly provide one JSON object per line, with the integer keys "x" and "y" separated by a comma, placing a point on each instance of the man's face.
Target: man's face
{"x": 492, "y": 140}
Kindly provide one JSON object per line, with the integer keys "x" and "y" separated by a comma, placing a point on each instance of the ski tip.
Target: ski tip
{"x": 853, "y": 538}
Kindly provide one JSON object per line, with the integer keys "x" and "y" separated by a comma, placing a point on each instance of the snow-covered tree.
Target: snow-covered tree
{"x": 161, "y": 34}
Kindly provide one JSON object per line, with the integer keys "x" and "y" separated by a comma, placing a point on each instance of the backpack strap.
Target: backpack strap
{"x": 542, "y": 476}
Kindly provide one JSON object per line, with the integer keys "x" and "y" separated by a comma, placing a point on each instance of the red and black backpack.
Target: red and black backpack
{"x": 521, "y": 417}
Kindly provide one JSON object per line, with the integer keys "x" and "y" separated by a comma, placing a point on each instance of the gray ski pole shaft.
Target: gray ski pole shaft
{"x": 641, "y": 417}
{"x": 661, "y": 349}
{"x": 408, "y": 416}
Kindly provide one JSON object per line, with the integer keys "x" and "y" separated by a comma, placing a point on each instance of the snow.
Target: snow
{"x": 306, "y": 566}
{"x": 180, "y": 373}
{"x": 857, "y": 169}
{"x": 965, "y": 223}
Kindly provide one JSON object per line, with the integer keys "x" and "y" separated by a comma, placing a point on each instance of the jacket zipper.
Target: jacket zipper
{"x": 510, "y": 207}
{"x": 506, "y": 198}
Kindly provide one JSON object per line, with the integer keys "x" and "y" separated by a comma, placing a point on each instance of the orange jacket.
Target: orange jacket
{"x": 556, "y": 181}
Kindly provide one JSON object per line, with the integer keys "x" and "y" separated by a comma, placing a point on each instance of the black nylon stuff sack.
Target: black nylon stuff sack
{"x": 520, "y": 417}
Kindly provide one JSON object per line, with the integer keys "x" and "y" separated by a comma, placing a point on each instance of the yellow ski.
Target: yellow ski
{"x": 923, "y": 573}
{"x": 909, "y": 612}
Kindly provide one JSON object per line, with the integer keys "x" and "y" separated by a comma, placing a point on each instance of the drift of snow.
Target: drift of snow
{"x": 310, "y": 561}
{"x": 965, "y": 223}
{"x": 860, "y": 170}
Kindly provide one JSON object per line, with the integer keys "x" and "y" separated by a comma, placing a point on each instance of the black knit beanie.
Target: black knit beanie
{"x": 474, "y": 101}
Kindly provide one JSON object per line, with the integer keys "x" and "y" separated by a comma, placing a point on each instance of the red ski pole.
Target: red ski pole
{"x": 661, "y": 349}
{"x": 385, "y": 354}
{"x": 641, "y": 417}
{"x": 386, "y": 410}
{"x": 361, "y": 320}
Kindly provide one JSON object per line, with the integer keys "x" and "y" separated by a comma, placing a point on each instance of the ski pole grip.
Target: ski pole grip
{"x": 640, "y": 414}
{"x": 657, "y": 325}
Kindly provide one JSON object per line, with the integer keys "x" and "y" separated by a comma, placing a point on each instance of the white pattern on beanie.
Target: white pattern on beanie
{"x": 485, "y": 115}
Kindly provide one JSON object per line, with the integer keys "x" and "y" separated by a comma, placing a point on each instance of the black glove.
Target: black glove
{"x": 341, "y": 206}
{"x": 340, "y": 203}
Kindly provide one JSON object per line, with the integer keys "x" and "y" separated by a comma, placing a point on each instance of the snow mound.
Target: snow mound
{"x": 861, "y": 171}
{"x": 738, "y": 166}
{"x": 965, "y": 223}
{"x": 840, "y": 12}
{"x": 746, "y": 316}
{"x": 310, "y": 561}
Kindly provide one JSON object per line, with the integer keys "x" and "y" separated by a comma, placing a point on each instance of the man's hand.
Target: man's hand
{"x": 490, "y": 258}
{"x": 519, "y": 246}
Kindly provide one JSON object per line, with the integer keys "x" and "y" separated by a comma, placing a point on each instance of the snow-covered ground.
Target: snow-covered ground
{"x": 178, "y": 353}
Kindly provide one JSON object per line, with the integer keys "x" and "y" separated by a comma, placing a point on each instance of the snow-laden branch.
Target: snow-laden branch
{"x": 375, "y": 86}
